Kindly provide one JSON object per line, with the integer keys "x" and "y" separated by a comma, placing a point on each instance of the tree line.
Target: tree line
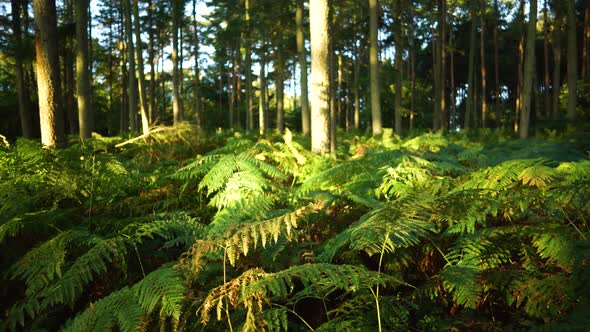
{"x": 444, "y": 65}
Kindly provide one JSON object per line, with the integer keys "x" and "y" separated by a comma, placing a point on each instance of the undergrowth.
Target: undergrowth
{"x": 185, "y": 231}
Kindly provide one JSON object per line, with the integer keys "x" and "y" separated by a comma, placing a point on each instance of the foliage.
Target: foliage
{"x": 433, "y": 232}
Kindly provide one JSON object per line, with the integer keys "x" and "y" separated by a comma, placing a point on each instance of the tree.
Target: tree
{"x": 374, "y": 68}
{"x": 397, "y": 35}
{"x": 484, "y": 103}
{"x": 529, "y": 71}
{"x": 302, "y": 57}
{"x": 48, "y": 79}
{"x": 470, "y": 107}
{"x": 143, "y": 102}
{"x": 21, "y": 89}
{"x": 132, "y": 78}
{"x": 320, "y": 76}
{"x": 83, "y": 70}
{"x": 177, "y": 10}
{"x": 196, "y": 79}
{"x": 572, "y": 61}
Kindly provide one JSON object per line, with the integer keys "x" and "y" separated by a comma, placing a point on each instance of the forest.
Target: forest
{"x": 292, "y": 165}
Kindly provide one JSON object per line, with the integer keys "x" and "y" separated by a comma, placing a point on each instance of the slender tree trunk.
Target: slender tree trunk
{"x": 470, "y": 107}
{"x": 340, "y": 89}
{"x": 453, "y": 97}
{"x": 444, "y": 122}
{"x": 124, "y": 114}
{"x": 21, "y": 89}
{"x": 196, "y": 79}
{"x": 302, "y": 56}
{"x": 231, "y": 87}
{"x": 484, "y": 103}
{"x": 436, "y": 53}
{"x": 496, "y": 67}
{"x": 68, "y": 83}
{"x": 572, "y": 61}
{"x": 529, "y": 71}
{"x": 374, "y": 68}
{"x": 320, "y": 76}
{"x": 262, "y": 82}
{"x": 280, "y": 86}
{"x": 356, "y": 78}
{"x": 82, "y": 70}
{"x": 412, "y": 69}
{"x": 397, "y": 39}
{"x": 546, "y": 95}
{"x": 132, "y": 85}
{"x": 586, "y": 42}
{"x": 556, "y": 82}
{"x": 519, "y": 84}
{"x": 248, "y": 68}
{"x": 48, "y": 80}
{"x": 143, "y": 102}
{"x": 153, "y": 59}
{"x": 176, "y": 102}
{"x": 332, "y": 83}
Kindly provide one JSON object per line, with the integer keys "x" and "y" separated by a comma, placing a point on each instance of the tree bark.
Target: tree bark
{"x": 280, "y": 86}
{"x": 496, "y": 68}
{"x": 302, "y": 56}
{"x": 572, "y": 61}
{"x": 586, "y": 42}
{"x": 176, "y": 102}
{"x": 374, "y": 68}
{"x": 529, "y": 71}
{"x": 262, "y": 96}
{"x": 248, "y": 68}
{"x": 484, "y": 103}
{"x": 519, "y": 84}
{"x": 470, "y": 107}
{"x": 320, "y": 76}
{"x": 196, "y": 79}
{"x": 556, "y": 81}
{"x": 82, "y": 70}
{"x": 546, "y": 95}
{"x": 132, "y": 84}
{"x": 21, "y": 89}
{"x": 143, "y": 102}
{"x": 48, "y": 80}
{"x": 397, "y": 39}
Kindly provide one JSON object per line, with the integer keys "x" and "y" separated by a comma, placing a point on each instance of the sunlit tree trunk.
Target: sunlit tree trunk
{"x": 48, "y": 81}
{"x": 470, "y": 107}
{"x": 177, "y": 112}
{"x": 374, "y": 68}
{"x": 397, "y": 39}
{"x": 320, "y": 76}
{"x": 21, "y": 89}
{"x": 572, "y": 61}
{"x": 153, "y": 60}
{"x": 82, "y": 70}
{"x": 124, "y": 114}
{"x": 484, "y": 103}
{"x": 132, "y": 83}
{"x": 143, "y": 102}
{"x": 302, "y": 56}
{"x": 443, "y": 113}
{"x": 452, "y": 97}
{"x": 356, "y": 74}
{"x": 248, "y": 67}
{"x": 529, "y": 71}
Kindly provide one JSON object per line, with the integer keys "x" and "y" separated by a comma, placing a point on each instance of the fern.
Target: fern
{"x": 462, "y": 281}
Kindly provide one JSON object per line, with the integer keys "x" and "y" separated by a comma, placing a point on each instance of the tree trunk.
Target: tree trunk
{"x": 302, "y": 56}
{"x": 320, "y": 76}
{"x": 280, "y": 86}
{"x": 21, "y": 89}
{"x": 48, "y": 81}
{"x": 453, "y": 97}
{"x": 470, "y": 107}
{"x": 519, "y": 84}
{"x": 556, "y": 82}
{"x": 356, "y": 78}
{"x": 412, "y": 69}
{"x": 68, "y": 83}
{"x": 124, "y": 114}
{"x": 143, "y": 102}
{"x": 176, "y": 102}
{"x": 444, "y": 122}
{"x": 572, "y": 61}
{"x": 374, "y": 68}
{"x": 132, "y": 84}
{"x": 547, "y": 98}
{"x": 496, "y": 67}
{"x": 397, "y": 39}
{"x": 248, "y": 68}
{"x": 529, "y": 71}
{"x": 196, "y": 79}
{"x": 262, "y": 83}
{"x": 82, "y": 70}
{"x": 153, "y": 60}
{"x": 586, "y": 42}
{"x": 484, "y": 103}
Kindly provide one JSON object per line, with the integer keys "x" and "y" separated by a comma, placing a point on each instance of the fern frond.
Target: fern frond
{"x": 163, "y": 287}
{"x": 462, "y": 280}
